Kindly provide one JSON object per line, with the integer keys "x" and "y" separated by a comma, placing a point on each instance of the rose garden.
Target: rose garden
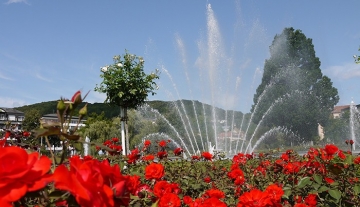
{"x": 155, "y": 173}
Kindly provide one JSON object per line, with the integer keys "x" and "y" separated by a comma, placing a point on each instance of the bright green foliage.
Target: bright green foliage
{"x": 32, "y": 120}
{"x": 338, "y": 130}
{"x": 139, "y": 127}
{"x": 125, "y": 83}
{"x": 102, "y": 130}
{"x": 294, "y": 93}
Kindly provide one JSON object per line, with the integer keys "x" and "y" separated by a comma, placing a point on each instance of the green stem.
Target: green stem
{"x": 51, "y": 152}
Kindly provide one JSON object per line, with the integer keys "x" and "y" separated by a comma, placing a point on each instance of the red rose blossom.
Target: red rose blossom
{"x": 207, "y": 155}
{"x": 154, "y": 171}
{"x": 169, "y": 200}
{"x": 178, "y": 151}
{"x": 20, "y": 173}
{"x": 162, "y": 143}
{"x": 254, "y": 198}
{"x": 331, "y": 149}
{"x": 84, "y": 180}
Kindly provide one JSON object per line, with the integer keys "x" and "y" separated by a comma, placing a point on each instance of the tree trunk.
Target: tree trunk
{"x": 123, "y": 139}
{"x": 127, "y": 133}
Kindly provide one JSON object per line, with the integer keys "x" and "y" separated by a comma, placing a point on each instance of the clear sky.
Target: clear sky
{"x": 51, "y": 49}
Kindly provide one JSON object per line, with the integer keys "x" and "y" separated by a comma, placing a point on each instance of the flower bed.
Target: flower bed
{"x": 322, "y": 177}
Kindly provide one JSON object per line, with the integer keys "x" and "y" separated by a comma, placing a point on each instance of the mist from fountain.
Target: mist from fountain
{"x": 160, "y": 137}
{"x": 148, "y": 108}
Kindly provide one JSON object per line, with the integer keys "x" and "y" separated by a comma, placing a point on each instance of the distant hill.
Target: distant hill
{"x": 49, "y": 107}
{"x": 163, "y": 107}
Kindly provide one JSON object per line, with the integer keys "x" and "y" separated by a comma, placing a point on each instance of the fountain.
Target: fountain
{"x": 86, "y": 146}
{"x": 203, "y": 123}
{"x": 354, "y": 124}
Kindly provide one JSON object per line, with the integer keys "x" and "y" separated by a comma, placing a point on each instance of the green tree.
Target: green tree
{"x": 31, "y": 120}
{"x": 338, "y": 130}
{"x": 101, "y": 130}
{"x": 139, "y": 127}
{"x": 294, "y": 93}
{"x": 126, "y": 85}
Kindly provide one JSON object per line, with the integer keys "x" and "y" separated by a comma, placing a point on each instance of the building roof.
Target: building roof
{"x": 338, "y": 109}
{"x": 10, "y": 110}
{"x": 54, "y": 116}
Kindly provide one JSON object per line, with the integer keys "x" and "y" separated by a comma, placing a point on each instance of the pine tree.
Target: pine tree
{"x": 294, "y": 93}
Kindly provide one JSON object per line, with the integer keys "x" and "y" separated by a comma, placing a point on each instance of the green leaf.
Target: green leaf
{"x": 315, "y": 186}
{"x": 155, "y": 204}
{"x": 78, "y": 146}
{"x": 57, "y": 194}
{"x": 287, "y": 193}
{"x": 357, "y": 189}
{"x": 349, "y": 159}
{"x": 334, "y": 184}
{"x": 323, "y": 188}
{"x": 303, "y": 182}
{"x": 335, "y": 194}
{"x": 317, "y": 178}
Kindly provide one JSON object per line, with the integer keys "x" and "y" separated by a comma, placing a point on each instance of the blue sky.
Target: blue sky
{"x": 50, "y": 49}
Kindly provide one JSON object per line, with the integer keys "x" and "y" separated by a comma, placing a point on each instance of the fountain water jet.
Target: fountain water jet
{"x": 354, "y": 124}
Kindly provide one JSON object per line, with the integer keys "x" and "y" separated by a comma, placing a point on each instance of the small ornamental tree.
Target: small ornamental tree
{"x": 126, "y": 85}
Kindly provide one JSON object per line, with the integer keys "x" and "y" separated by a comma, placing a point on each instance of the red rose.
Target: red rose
{"x": 187, "y": 200}
{"x": 300, "y": 205}
{"x": 154, "y": 171}
{"x": 20, "y": 173}
{"x": 357, "y": 160}
{"x": 162, "y": 187}
{"x": 85, "y": 181}
{"x": 212, "y": 202}
{"x": 147, "y": 143}
{"x": 162, "y": 143}
{"x": 26, "y": 134}
{"x": 237, "y": 175}
{"x": 207, "y": 179}
{"x": 144, "y": 188}
{"x": 162, "y": 154}
{"x": 76, "y": 98}
{"x": 195, "y": 157}
{"x": 178, "y": 151}
{"x": 133, "y": 156}
{"x": 169, "y": 200}
{"x": 331, "y": 149}
{"x": 148, "y": 158}
{"x": 275, "y": 192}
{"x": 329, "y": 180}
{"x": 254, "y": 198}
{"x": 207, "y": 155}
{"x": 311, "y": 200}
{"x": 215, "y": 193}
{"x": 341, "y": 155}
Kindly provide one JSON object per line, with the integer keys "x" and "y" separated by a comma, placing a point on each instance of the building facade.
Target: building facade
{"x": 11, "y": 117}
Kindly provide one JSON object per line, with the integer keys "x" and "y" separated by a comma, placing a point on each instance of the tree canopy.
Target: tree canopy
{"x": 294, "y": 93}
{"x": 32, "y": 120}
{"x": 125, "y": 83}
